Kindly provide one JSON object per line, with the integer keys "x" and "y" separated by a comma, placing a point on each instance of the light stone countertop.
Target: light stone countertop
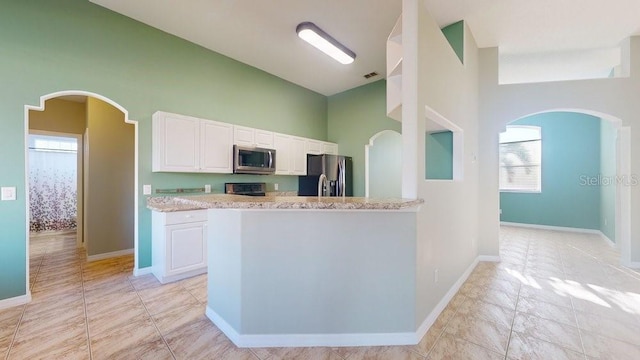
{"x": 226, "y": 201}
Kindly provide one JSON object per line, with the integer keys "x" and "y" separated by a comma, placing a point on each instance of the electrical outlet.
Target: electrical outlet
{"x": 275, "y": 186}
{"x": 146, "y": 189}
{"x": 8, "y": 193}
{"x": 605, "y": 222}
{"x": 207, "y": 188}
{"x": 435, "y": 275}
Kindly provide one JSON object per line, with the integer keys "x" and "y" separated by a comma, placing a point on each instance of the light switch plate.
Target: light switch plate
{"x": 8, "y": 193}
{"x": 146, "y": 189}
{"x": 207, "y": 188}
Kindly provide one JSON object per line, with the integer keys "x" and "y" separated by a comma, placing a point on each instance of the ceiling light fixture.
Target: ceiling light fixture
{"x": 312, "y": 34}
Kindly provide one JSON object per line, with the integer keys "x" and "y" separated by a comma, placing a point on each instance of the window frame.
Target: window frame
{"x": 538, "y": 129}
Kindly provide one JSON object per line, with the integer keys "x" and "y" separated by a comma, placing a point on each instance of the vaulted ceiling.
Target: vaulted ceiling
{"x": 262, "y": 33}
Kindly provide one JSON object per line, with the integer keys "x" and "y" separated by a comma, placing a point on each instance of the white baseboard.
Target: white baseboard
{"x": 164, "y": 279}
{"x": 606, "y": 238}
{"x": 143, "y": 271}
{"x": 305, "y": 340}
{"x": 338, "y": 340}
{"x": 15, "y": 301}
{"x": 431, "y": 318}
{"x": 109, "y": 255}
{"x": 562, "y": 228}
{"x": 554, "y": 228}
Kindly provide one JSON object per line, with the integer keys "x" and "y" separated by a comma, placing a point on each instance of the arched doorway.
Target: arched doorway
{"x": 620, "y": 178}
{"x": 383, "y": 165}
{"x": 131, "y": 153}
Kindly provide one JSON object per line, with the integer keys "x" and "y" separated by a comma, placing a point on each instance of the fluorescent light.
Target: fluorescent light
{"x": 312, "y": 34}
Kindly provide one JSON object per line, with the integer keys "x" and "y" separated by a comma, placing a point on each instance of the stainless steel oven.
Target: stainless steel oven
{"x": 253, "y": 160}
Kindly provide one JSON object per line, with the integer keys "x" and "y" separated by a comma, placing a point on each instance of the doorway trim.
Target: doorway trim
{"x": 79, "y": 180}
{"x": 41, "y": 107}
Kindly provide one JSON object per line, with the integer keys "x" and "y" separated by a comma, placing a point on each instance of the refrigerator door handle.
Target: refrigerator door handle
{"x": 341, "y": 178}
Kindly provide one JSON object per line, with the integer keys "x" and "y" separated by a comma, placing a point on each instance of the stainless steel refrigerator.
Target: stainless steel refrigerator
{"x": 338, "y": 170}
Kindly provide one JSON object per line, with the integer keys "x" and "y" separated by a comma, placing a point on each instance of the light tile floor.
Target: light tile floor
{"x": 554, "y": 296}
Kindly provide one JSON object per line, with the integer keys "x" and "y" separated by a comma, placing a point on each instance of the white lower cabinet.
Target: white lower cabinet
{"x": 179, "y": 244}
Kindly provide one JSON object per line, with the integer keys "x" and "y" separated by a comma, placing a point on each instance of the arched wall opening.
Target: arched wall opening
{"x": 583, "y": 181}
{"x": 383, "y": 165}
{"x": 122, "y": 151}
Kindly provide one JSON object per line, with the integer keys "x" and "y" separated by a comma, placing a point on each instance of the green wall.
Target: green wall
{"x": 570, "y": 154}
{"x": 51, "y": 46}
{"x": 354, "y": 116}
{"x": 439, "y": 155}
{"x": 455, "y": 36}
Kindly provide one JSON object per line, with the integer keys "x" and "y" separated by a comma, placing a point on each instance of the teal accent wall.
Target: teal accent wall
{"x": 439, "y": 155}
{"x": 608, "y": 169}
{"x": 50, "y": 46}
{"x": 570, "y": 155}
{"x": 354, "y": 116}
{"x": 455, "y": 36}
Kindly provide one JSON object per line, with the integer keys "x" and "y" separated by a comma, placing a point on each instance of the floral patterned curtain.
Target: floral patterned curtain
{"x": 52, "y": 183}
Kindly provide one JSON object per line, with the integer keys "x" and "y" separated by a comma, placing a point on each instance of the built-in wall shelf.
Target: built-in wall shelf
{"x": 394, "y": 72}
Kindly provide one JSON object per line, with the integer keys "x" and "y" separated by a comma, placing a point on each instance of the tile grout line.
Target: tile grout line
{"x": 444, "y": 328}
{"x": 515, "y": 311}
{"x": 15, "y": 332}
{"x": 439, "y": 336}
{"x": 86, "y": 315}
{"x": 24, "y": 308}
{"x": 152, "y": 320}
{"x": 573, "y": 308}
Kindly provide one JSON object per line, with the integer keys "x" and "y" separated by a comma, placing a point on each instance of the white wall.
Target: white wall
{"x": 447, "y": 223}
{"x": 613, "y": 98}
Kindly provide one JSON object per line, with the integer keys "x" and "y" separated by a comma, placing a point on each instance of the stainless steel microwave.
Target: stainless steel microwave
{"x": 253, "y": 160}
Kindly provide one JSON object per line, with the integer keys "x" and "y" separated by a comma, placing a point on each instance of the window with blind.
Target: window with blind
{"x": 521, "y": 159}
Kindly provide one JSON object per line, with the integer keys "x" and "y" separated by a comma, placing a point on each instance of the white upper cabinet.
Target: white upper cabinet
{"x": 291, "y": 157}
{"x": 191, "y": 145}
{"x": 329, "y": 148}
{"x": 187, "y": 144}
{"x": 175, "y": 142}
{"x": 250, "y": 137}
{"x": 263, "y": 139}
{"x": 216, "y": 151}
{"x": 317, "y": 147}
{"x": 282, "y": 145}
{"x": 314, "y": 147}
{"x": 298, "y": 158}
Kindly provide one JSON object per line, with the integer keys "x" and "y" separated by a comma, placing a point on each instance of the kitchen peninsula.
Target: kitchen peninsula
{"x": 308, "y": 271}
